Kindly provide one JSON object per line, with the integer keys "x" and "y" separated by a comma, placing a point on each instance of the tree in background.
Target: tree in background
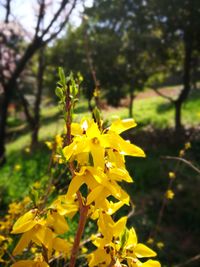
{"x": 179, "y": 22}
{"x": 40, "y": 38}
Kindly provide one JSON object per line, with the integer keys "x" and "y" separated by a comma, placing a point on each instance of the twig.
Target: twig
{"x": 163, "y": 205}
{"x": 183, "y": 160}
{"x": 164, "y": 96}
{"x": 195, "y": 258}
{"x": 10, "y": 256}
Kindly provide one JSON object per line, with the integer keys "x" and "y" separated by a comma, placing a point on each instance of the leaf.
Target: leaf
{"x": 62, "y": 76}
{"x": 59, "y": 92}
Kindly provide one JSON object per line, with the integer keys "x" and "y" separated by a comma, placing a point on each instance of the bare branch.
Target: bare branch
{"x": 53, "y": 35}
{"x": 57, "y": 14}
{"x": 195, "y": 258}
{"x": 40, "y": 16}
{"x": 183, "y": 160}
{"x": 7, "y": 7}
{"x": 163, "y": 95}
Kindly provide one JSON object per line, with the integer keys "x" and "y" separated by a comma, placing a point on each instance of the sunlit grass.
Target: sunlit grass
{"x": 153, "y": 111}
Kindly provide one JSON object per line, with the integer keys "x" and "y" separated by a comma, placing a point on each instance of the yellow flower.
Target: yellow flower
{"x": 100, "y": 185}
{"x": 37, "y": 185}
{"x": 96, "y": 92}
{"x": 169, "y": 194}
{"x": 41, "y": 231}
{"x": 172, "y": 175}
{"x": 160, "y": 245}
{"x": 88, "y": 138}
{"x": 49, "y": 144}
{"x": 27, "y": 150}
{"x": 181, "y": 153}
{"x": 17, "y": 167}
{"x": 187, "y": 145}
{"x": 119, "y": 243}
{"x": 59, "y": 140}
{"x": 37, "y": 262}
{"x": 150, "y": 241}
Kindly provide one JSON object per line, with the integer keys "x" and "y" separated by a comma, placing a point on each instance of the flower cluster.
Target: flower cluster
{"x": 96, "y": 158}
{"x": 99, "y": 157}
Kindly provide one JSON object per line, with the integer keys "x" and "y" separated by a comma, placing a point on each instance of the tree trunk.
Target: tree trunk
{"x": 178, "y": 125}
{"x": 3, "y": 116}
{"x": 36, "y": 126}
{"x": 131, "y": 95}
{"x": 186, "y": 83}
{"x": 8, "y": 92}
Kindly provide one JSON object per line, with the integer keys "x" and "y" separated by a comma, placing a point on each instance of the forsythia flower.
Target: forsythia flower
{"x": 187, "y": 145}
{"x": 41, "y": 231}
{"x": 37, "y": 262}
{"x": 17, "y": 167}
{"x": 150, "y": 241}
{"x": 160, "y": 245}
{"x": 181, "y": 153}
{"x": 172, "y": 175}
{"x": 169, "y": 194}
{"x": 118, "y": 244}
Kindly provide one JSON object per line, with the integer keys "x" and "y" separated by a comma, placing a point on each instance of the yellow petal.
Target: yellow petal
{"x": 44, "y": 236}
{"x": 143, "y": 251}
{"x": 25, "y": 222}
{"x": 97, "y": 154}
{"x": 61, "y": 245}
{"x": 23, "y": 242}
{"x": 93, "y": 130}
{"x": 151, "y": 263}
{"x": 74, "y": 186}
{"x": 120, "y": 126}
{"x": 93, "y": 195}
{"x": 119, "y": 226}
{"x": 23, "y": 263}
{"x": 57, "y": 222}
{"x": 132, "y": 239}
{"x": 113, "y": 207}
{"x": 76, "y": 129}
{"x": 125, "y": 147}
{"x": 120, "y": 174}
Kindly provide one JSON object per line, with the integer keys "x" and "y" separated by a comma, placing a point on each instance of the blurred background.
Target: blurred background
{"x": 138, "y": 58}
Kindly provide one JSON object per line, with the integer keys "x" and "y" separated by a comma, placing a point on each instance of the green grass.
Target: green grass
{"x": 154, "y": 111}
{"x": 159, "y": 113}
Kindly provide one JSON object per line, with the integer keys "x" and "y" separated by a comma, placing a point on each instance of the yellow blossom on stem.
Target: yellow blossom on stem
{"x": 181, "y": 153}
{"x": 17, "y": 167}
{"x": 160, "y": 245}
{"x": 118, "y": 244}
{"x": 169, "y": 194}
{"x": 187, "y": 145}
{"x": 172, "y": 175}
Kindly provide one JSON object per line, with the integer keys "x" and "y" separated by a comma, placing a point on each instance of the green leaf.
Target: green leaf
{"x": 59, "y": 92}
{"x": 62, "y": 76}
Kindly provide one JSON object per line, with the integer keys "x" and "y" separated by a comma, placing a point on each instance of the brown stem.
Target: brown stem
{"x": 81, "y": 225}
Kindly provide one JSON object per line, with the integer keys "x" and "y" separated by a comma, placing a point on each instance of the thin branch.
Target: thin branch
{"x": 195, "y": 258}
{"x": 8, "y": 11}
{"x": 53, "y": 35}
{"x": 188, "y": 163}
{"x": 40, "y": 17}
{"x": 57, "y": 14}
{"x": 163, "y": 95}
